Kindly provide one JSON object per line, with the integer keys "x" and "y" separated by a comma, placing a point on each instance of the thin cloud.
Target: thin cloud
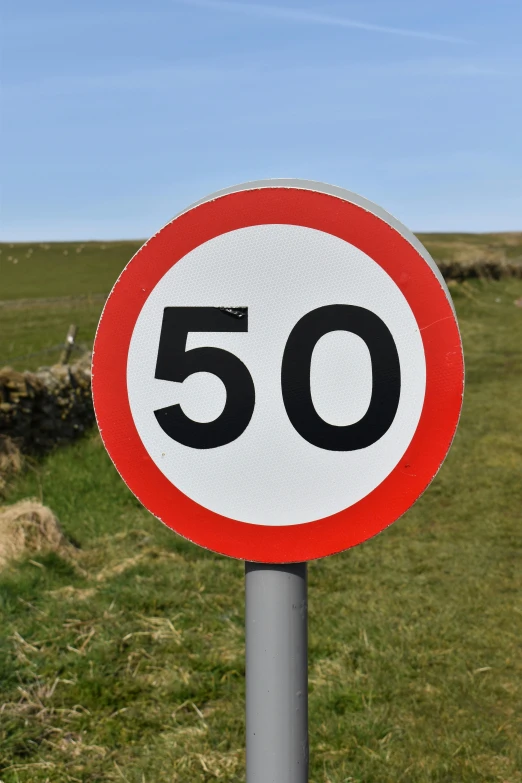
{"x": 311, "y": 17}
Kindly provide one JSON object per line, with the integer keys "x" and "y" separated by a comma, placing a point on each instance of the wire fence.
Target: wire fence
{"x": 67, "y": 347}
{"x": 81, "y": 347}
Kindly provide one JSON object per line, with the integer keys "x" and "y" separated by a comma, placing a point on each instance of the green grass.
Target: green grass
{"x": 126, "y": 662}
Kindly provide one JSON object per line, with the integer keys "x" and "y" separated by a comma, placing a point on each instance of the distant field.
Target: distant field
{"x": 126, "y": 662}
{"x": 71, "y": 280}
{"x": 56, "y": 269}
{"x": 505, "y": 246}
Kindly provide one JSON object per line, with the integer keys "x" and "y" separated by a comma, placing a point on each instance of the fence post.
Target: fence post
{"x": 69, "y": 344}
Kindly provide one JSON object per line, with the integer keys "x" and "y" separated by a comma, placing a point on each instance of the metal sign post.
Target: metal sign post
{"x": 276, "y": 673}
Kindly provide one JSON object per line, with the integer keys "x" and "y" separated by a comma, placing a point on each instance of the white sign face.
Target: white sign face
{"x": 278, "y": 373}
{"x": 271, "y": 475}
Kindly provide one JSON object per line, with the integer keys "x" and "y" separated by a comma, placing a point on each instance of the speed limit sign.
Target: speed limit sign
{"x": 278, "y": 372}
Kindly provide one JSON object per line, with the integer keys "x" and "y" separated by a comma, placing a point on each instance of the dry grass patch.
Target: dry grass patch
{"x": 27, "y": 528}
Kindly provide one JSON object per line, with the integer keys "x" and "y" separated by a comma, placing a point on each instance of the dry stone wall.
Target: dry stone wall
{"x": 49, "y": 407}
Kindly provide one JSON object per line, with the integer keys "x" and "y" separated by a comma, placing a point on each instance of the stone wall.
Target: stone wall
{"x": 49, "y": 407}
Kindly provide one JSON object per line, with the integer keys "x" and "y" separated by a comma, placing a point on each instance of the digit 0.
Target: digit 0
{"x": 386, "y": 377}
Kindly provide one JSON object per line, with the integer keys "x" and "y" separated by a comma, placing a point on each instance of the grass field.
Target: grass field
{"x": 125, "y": 661}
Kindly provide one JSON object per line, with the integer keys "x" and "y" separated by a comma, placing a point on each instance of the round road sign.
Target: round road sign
{"x": 278, "y": 373}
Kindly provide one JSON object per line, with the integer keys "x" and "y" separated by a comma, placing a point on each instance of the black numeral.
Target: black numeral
{"x": 295, "y": 377}
{"x": 175, "y": 363}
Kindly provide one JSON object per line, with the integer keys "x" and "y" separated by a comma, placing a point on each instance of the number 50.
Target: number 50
{"x": 175, "y": 363}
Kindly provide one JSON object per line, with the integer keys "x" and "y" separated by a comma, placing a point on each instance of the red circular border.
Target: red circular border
{"x": 444, "y": 375}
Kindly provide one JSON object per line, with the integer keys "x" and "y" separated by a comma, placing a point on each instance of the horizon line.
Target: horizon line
{"x": 100, "y": 241}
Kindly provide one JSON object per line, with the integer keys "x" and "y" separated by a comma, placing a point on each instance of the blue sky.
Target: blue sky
{"x": 115, "y": 115}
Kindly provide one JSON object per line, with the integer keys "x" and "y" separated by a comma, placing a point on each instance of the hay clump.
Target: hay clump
{"x": 28, "y": 527}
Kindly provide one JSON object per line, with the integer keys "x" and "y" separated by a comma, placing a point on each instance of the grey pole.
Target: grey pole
{"x": 276, "y": 673}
